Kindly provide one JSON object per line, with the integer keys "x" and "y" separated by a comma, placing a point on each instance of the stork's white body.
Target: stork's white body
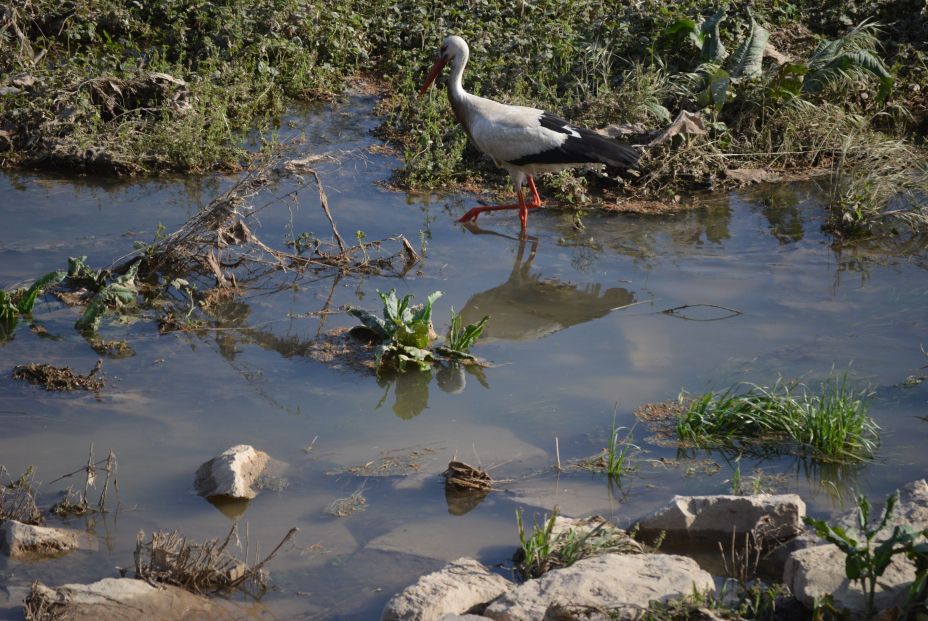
{"x": 522, "y": 140}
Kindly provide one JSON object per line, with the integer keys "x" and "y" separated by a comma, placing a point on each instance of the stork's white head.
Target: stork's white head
{"x": 453, "y": 49}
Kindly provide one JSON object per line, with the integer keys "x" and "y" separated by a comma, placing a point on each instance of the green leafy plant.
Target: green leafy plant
{"x": 13, "y": 304}
{"x": 405, "y": 330}
{"x": 121, "y": 291}
{"x": 460, "y": 338}
{"x": 534, "y": 554}
{"x": 405, "y": 333}
{"x": 865, "y": 560}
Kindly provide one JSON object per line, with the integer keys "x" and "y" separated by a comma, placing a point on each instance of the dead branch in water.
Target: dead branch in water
{"x": 220, "y": 242}
{"x": 171, "y": 558}
{"x": 82, "y": 506}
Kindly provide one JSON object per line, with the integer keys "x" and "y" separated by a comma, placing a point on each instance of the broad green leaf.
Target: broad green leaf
{"x": 370, "y": 321}
{"x": 747, "y": 60}
{"x": 424, "y": 313}
{"x": 712, "y": 48}
{"x": 28, "y": 300}
{"x": 853, "y": 567}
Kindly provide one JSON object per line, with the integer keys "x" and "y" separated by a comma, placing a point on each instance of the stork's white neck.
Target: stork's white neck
{"x": 456, "y": 93}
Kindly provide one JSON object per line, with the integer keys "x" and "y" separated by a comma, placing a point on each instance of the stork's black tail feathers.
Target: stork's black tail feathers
{"x": 582, "y": 146}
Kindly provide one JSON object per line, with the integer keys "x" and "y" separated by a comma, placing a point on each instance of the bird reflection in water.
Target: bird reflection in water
{"x": 527, "y": 306}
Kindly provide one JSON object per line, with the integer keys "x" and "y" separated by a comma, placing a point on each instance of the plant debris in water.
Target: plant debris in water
{"x": 78, "y": 503}
{"x": 17, "y": 497}
{"x": 59, "y": 378}
{"x": 170, "y": 558}
{"x": 466, "y": 477}
{"x": 399, "y": 462}
{"x": 343, "y": 507}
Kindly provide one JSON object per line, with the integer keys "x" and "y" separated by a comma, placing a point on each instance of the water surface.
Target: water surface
{"x": 577, "y": 336}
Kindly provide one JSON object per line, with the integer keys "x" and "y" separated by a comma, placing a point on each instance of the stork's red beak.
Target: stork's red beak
{"x": 436, "y": 69}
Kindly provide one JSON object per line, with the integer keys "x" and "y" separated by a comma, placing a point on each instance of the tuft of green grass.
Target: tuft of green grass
{"x": 830, "y": 425}
{"x": 548, "y": 547}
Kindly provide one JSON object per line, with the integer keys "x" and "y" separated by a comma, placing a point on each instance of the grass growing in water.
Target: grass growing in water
{"x": 832, "y": 425}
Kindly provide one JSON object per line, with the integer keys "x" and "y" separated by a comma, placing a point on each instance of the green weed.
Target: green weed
{"x": 866, "y": 561}
{"x": 19, "y": 302}
{"x": 547, "y": 547}
{"x": 832, "y": 425}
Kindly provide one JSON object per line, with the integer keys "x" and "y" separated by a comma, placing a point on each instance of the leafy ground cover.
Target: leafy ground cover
{"x": 789, "y": 88}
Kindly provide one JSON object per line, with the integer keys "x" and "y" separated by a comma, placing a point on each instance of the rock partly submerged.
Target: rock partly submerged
{"x": 232, "y": 473}
{"x": 26, "y": 541}
{"x": 123, "y": 599}
{"x": 714, "y": 519}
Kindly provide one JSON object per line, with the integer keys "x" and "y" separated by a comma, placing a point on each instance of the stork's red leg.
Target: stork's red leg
{"x": 522, "y": 206}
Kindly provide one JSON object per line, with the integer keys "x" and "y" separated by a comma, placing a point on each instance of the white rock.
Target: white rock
{"x": 113, "y": 599}
{"x": 453, "y": 590}
{"x": 623, "y": 584}
{"x": 819, "y": 569}
{"x": 816, "y": 571}
{"x": 19, "y": 540}
{"x": 232, "y": 473}
{"x": 708, "y": 519}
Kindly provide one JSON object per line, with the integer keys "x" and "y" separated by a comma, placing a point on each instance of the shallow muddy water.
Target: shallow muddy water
{"x": 576, "y": 336}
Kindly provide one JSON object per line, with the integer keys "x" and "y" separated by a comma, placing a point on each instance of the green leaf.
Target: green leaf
{"x": 716, "y": 92}
{"x": 79, "y": 270}
{"x": 424, "y": 313}
{"x": 853, "y": 567}
{"x": 712, "y": 48}
{"x": 28, "y": 300}
{"x": 747, "y": 60}
{"x": 370, "y": 321}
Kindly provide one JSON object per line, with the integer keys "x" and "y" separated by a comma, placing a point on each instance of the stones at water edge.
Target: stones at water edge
{"x": 27, "y": 541}
{"x": 453, "y": 590}
{"x": 710, "y": 519}
{"x": 621, "y": 584}
{"x": 122, "y": 599}
{"x": 818, "y": 569}
{"x": 232, "y": 473}
{"x": 813, "y": 572}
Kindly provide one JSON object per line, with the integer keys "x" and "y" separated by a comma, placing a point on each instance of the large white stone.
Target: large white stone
{"x": 621, "y": 584}
{"x": 232, "y": 473}
{"x": 818, "y": 570}
{"x": 19, "y": 541}
{"x": 709, "y": 519}
{"x": 813, "y": 572}
{"x": 125, "y": 599}
{"x": 453, "y": 590}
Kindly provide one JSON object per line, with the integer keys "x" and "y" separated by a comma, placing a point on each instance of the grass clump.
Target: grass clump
{"x": 831, "y": 425}
{"x": 555, "y": 543}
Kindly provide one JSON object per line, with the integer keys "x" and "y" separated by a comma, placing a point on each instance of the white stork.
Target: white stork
{"x": 524, "y": 141}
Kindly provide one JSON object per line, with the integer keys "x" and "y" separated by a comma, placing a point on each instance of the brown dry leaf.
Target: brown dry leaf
{"x": 688, "y": 123}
